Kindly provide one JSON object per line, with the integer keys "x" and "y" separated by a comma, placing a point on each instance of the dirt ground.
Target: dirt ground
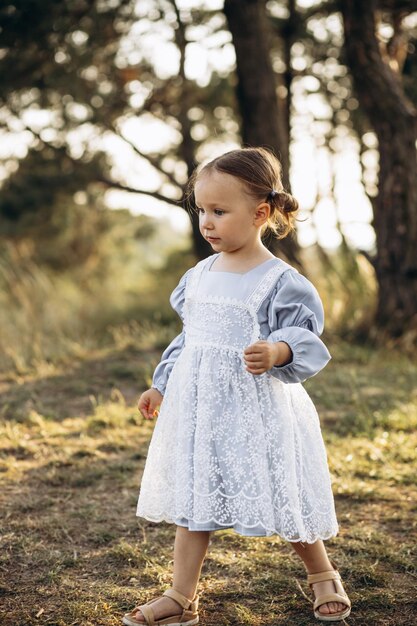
{"x": 72, "y": 448}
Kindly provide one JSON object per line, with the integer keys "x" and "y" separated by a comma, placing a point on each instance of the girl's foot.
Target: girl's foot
{"x": 323, "y": 588}
{"x": 171, "y": 607}
{"x": 162, "y": 607}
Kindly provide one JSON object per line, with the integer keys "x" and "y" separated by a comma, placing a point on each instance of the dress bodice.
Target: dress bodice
{"x": 221, "y": 320}
{"x": 289, "y": 309}
{"x": 231, "y": 284}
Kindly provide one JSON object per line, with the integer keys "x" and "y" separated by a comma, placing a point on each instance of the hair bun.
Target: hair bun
{"x": 286, "y": 202}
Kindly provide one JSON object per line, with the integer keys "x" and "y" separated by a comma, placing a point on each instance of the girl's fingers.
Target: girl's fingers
{"x": 252, "y": 366}
{"x": 254, "y": 362}
{"x": 152, "y": 412}
{"x": 257, "y": 347}
{"x": 260, "y": 370}
{"x": 148, "y": 407}
{"x": 144, "y": 409}
{"x": 253, "y": 355}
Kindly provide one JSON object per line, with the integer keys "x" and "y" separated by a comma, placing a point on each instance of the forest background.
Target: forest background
{"x": 106, "y": 108}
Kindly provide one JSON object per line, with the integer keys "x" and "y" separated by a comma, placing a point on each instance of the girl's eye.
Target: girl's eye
{"x": 216, "y": 211}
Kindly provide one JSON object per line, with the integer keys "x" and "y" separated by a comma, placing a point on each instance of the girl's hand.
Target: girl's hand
{"x": 262, "y": 355}
{"x": 149, "y": 403}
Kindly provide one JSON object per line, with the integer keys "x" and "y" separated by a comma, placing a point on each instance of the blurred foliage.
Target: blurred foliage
{"x": 72, "y": 77}
{"x": 47, "y": 314}
{"x": 347, "y": 285}
{"x": 62, "y": 224}
{"x": 90, "y": 67}
{"x": 121, "y": 297}
{"x": 78, "y": 75}
{"x": 62, "y": 54}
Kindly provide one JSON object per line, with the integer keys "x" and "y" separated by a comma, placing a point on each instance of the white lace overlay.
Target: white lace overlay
{"x": 232, "y": 449}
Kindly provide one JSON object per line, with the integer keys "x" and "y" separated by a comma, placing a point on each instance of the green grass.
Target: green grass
{"x": 72, "y": 448}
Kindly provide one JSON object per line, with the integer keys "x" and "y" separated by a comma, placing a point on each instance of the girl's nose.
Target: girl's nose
{"x": 205, "y": 220}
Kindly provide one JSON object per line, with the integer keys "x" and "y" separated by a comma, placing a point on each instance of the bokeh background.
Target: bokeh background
{"x": 106, "y": 107}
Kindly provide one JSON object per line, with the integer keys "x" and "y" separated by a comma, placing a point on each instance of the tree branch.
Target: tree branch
{"x": 123, "y": 187}
{"x": 408, "y": 6}
{"x": 334, "y": 6}
{"x": 181, "y": 39}
{"x": 324, "y": 8}
{"x": 104, "y": 179}
{"x": 153, "y": 161}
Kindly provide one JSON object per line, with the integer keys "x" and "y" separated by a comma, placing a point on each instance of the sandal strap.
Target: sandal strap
{"x": 178, "y": 597}
{"x": 148, "y": 614}
{"x": 322, "y": 576}
{"x": 194, "y": 605}
{"x": 331, "y": 597}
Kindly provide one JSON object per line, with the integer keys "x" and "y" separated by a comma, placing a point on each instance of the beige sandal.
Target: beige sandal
{"x": 188, "y": 617}
{"x": 338, "y": 596}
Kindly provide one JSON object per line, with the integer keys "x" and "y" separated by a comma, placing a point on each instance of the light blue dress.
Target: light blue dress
{"x": 232, "y": 449}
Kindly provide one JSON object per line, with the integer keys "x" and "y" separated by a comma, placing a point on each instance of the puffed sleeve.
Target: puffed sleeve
{"x": 295, "y": 315}
{"x": 172, "y": 352}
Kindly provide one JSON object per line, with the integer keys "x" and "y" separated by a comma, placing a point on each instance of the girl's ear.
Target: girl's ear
{"x": 262, "y": 213}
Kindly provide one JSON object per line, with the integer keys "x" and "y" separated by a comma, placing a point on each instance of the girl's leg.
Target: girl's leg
{"x": 315, "y": 560}
{"x": 189, "y": 551}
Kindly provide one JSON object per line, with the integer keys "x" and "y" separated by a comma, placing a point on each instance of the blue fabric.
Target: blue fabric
{"x": 292, "y": 312}
{"x": 173, "y": 350}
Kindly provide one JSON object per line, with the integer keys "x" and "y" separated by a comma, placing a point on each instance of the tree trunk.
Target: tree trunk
{"x": 288, "y": 35}
{"x": 393, "y": 119}
{"x": 187, "y": 149}
{"x": 262, "y": 124}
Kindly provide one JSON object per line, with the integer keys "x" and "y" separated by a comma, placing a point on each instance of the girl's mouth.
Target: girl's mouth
{"x": 212, "y": 238}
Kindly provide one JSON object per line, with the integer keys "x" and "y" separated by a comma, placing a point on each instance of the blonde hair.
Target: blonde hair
{"x": 261, "y": 172}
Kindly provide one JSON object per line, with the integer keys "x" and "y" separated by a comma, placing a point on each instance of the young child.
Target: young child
{"x": 237, "y": 443}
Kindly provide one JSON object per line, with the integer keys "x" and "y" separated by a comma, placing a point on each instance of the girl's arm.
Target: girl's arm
{"x": 172, "y": 352}
{"x": 296, "y": 318}
{"x": 164, "y": 367}
{"x": 283, "y": 354}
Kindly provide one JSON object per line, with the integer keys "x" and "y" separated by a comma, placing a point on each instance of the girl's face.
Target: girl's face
{"x": 229, "y": 218}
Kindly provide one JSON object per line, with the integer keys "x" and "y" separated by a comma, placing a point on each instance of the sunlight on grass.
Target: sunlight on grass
{"x": 245, "y": 617}
{"x": 111, "y": 415}
{"x": 46, "y": 316}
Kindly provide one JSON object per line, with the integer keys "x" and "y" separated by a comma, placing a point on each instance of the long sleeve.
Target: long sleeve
{"x": 172, "y": 352}
{"x": 295, "y": 315}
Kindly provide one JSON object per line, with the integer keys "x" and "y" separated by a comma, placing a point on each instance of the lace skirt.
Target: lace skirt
{"x": 234, "y": 450}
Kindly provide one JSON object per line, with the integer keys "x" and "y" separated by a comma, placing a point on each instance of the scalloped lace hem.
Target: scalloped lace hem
{"x": 268, "y": 531}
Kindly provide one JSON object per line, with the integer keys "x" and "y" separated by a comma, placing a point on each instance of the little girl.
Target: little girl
{"x": 238, "y": 442}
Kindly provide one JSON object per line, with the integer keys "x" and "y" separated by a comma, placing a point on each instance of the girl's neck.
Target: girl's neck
{"x": 235, "y": 262}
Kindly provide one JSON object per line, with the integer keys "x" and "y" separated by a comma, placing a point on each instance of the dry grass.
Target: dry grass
{"x": 72, "y": 446}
